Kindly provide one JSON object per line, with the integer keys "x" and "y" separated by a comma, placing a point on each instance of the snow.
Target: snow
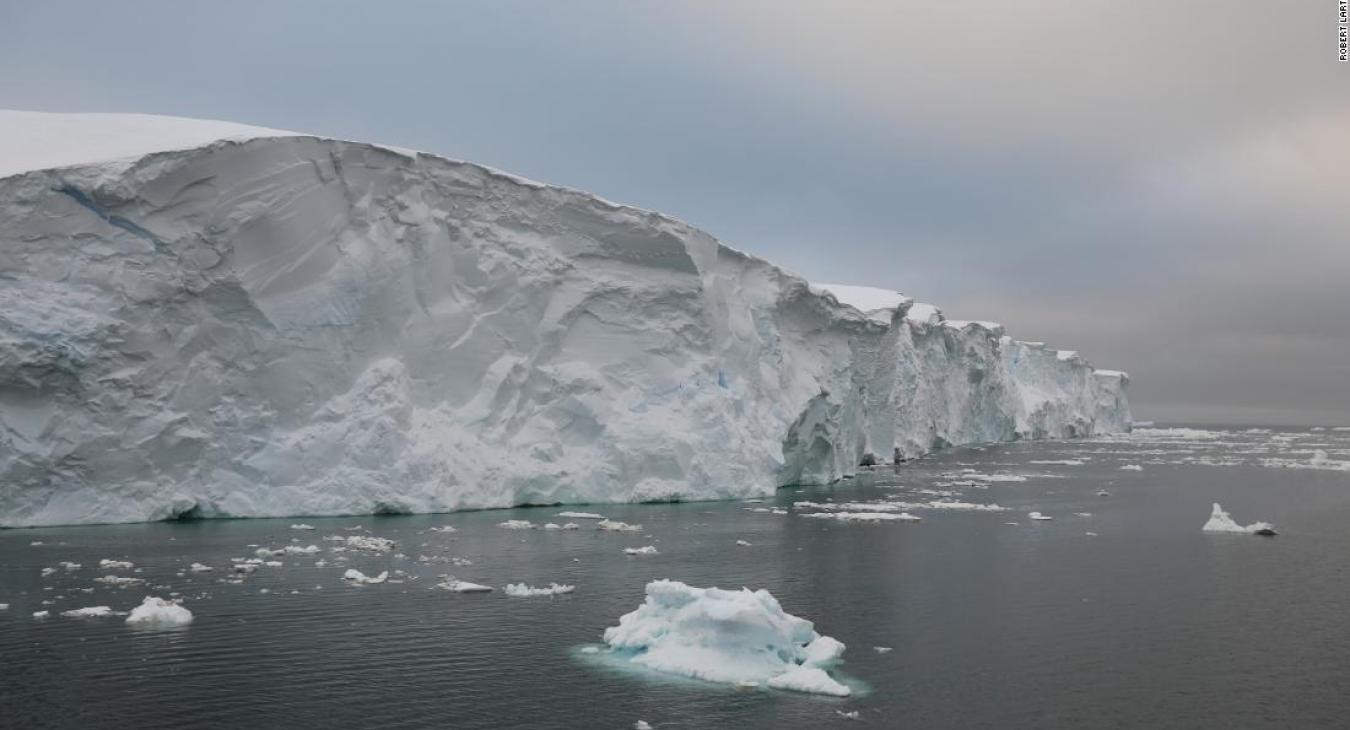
{"x": 520, "y": 590}
{"x": 90, "y": 612}
{"x": 731, "y": 637}
{"x": 42, "y": 140}
{"x": 159, "y": 613}
{"x": 535, "y": 345}
{"x": 357, "y": 578}
{"x": 1221, "y": 521}
{"x": 645, "y": 550}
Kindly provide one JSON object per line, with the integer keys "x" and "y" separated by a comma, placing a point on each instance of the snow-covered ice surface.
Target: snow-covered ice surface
{"x": 207, "y": 320}
{"x": 726, "y": 636}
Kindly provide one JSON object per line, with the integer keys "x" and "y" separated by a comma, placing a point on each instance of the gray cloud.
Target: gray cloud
{"x": 1164, "y": 186}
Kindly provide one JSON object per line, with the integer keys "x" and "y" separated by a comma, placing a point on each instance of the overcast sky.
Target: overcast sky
{"x": 1162, "y": 185}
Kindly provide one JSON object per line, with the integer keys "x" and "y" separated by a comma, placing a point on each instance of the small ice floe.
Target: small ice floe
{"x": 863, "y": 516}
{"x": 1089, "y": 534}
{"x": 1058, "y": 462}
{"x": 107, "y": 564}
{"x": 4, "y": 606}
{"x": 444, "y": 528}
{"x": 90, "y": 612}
{"x": 882, "y": 649}
{"x": 41, "y": 614}
{"x": 268, "y": 553}
{"x": 370, "y": 544}
{"x": 581, "y": 515}
{"x": 616, "y": 526}
{"x": 67, "y": 565}
{"x": 853, "y": 715}
{"x": 1318, "y": 428}
{"x": 517, "y": 525}
{"x": 47, "y": 571}
{"x": 449, "y": 583}
{"x": 119, "y": 582}
{"x": 199, "y": 568}
{"x": 1131, "y": 467}
{"x": 301, "y": 526}
{"x": 1082, "y": 514}
{"x": 1103, "y": 493}
{"x": 159, "y": 613}
{"x": 571, "y": 526}
{"x": 1221, "y": 521}
{"x": 728, "y": 637}
{"x": 520, "y": 590}
{"x": 298, "y": 550}
{"x": 357, "y": 578}
{"x": 552, "y": 526}
{"x": 1038, "y": 516}
{"x": 645, "y": 550}
{"x": 743, "y": 543}
{"x": 642, "y": 725}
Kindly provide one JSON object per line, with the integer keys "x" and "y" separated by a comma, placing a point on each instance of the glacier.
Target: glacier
{"x": 201, "y": 319}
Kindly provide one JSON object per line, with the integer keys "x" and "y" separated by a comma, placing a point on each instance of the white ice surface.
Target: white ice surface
{"x": 732, "y": 637}
{"x": 291, "y": 325}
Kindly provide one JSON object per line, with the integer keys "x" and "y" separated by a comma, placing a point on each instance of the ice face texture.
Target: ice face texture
{"x": 734, "y": 637}
{"x": 289, "y": 325}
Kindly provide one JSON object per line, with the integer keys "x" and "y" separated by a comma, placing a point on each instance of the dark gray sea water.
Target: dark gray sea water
{"x": 1146, "y": 622}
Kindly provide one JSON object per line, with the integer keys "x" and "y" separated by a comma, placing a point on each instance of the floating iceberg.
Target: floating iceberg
{"x": 616, "y": 526}
{"x": 521, "y": 590}
{"x": 90, "y": 612}
{"x": 462, "y": 586}
{"x": 863, "y": 516}
{"x": 158, "y": 612}
{"x": 356, "y": 577}
{"x": 731, "y": 637}
{"x": 402, "y": 333}
{"x": 645, "y": 550}
{"x": 1221, "y": 521}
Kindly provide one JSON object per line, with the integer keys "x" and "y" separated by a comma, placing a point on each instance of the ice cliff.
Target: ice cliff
{"x": 206, "y": 319}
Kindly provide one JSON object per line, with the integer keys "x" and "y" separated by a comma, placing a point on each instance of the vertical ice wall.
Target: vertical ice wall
{"x": 294, "y": 325}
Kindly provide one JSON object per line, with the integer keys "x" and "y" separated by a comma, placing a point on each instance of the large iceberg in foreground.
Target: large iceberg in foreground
{"x": 733, "y": 637}
{"x": 204, "y": 319}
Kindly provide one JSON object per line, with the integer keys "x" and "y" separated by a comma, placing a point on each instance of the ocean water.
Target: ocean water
{"x": 1147, "y": 622}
